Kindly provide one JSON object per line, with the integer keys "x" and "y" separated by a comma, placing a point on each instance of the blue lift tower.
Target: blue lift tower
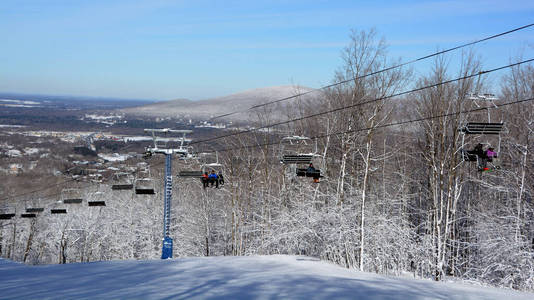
{"x": 168, "y": 146}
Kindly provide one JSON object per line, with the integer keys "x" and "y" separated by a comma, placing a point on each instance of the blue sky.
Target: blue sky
{"x": 158, "y": 49}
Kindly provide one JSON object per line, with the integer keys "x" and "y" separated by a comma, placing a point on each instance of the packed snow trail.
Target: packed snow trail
{"x": 254, "y": 277}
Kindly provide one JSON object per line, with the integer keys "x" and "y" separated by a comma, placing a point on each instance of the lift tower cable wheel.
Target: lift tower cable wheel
{"x": 164, "y": 145}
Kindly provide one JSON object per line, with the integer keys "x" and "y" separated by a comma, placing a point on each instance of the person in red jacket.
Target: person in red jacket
{"x": 205, "y": 179}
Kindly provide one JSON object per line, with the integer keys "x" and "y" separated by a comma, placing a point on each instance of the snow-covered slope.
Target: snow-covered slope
{"x": 221, "y": 105}
{"x": 256, "y": 277}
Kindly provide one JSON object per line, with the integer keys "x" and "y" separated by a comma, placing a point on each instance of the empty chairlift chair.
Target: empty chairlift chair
{"x": 34, "y": 209}
{"x": 71, "y": 196}
{"x": 122, "y": 181}
{"x": 31, "y": 212}
{"x": 192, "y": 168}
{"x": 97, "y": 199}
{"x": 144, "y": 186}
{"x": 6, "y": 214}
{"x": 57, "y": 209}
{"x": 28, "y": 215}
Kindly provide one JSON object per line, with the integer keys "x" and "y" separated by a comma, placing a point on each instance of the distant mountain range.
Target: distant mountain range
{"x": 65, "y": 101}
{"x": 204, "y": 109}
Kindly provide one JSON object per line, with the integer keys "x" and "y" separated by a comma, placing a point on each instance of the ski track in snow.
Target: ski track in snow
{"x": 253, "y": 277}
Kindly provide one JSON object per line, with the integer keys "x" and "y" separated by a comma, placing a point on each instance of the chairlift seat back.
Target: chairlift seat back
{"x": 28, "y": 215}
{"x": 297, "y": 159}
{"x": 97, "y": 203}
{"x": 58, "y": 211}
{"x": 73, "y": 201}
{"x": 34, "y": 209}
{"x": 144, "y": 191}
{"x": 125, "y": 186}
{"x": 482, "y": 128}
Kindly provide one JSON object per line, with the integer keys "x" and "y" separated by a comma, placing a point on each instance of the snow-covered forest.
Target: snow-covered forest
{"x": 393, "y": 198}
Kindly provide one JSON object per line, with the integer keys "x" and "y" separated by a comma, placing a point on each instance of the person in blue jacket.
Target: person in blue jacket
{"x": 214, "y": 179}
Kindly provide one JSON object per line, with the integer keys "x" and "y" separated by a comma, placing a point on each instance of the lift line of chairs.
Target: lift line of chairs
{"x": 68, "y": 196}
{"x": 291, "y": 154}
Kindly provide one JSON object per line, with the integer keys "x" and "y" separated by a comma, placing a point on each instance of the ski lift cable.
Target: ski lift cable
{"x": 363, "y": 103}
{"x": 330, "y": 134}
{"x": 376, "y": 72}
{"x": 382, "y": 126}
{"x": 313, "y": 115}
{"x": 337, "y": 109}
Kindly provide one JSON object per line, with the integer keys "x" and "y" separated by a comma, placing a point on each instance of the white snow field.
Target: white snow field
{"x": 254, "y": 277}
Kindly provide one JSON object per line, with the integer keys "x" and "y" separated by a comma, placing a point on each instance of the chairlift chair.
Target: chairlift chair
{"x": 96, "y": 200}
{"x": 71, "y": 196}
{"x": 28, "y": 215}
{"x": 192, "y": 168}
{"x": 6, "y": 213}
{"x": 479, "y": 156}
{"x": 56, "y": 209}
{"x": 34, "y": 209}
{"x": 122, "y": 181}
{"x": 299, "y": 150}
{"x": 210, "y": 164}
{"x": 31, "y": 212}
{"x": 481, "y": 128}
{"x": 6, "y": 216}
{"x": 144, "y": 186}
